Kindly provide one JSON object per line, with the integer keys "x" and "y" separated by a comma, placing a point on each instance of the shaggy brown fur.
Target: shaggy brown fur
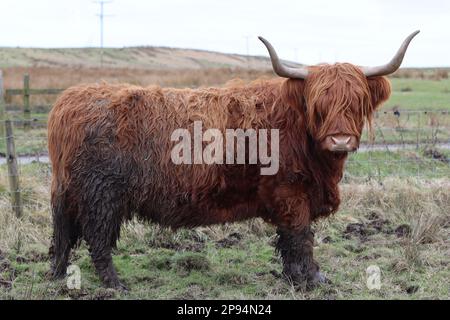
{"x": 110, "y": 150}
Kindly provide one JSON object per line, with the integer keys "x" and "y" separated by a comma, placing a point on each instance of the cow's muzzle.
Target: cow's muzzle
{"x": 340, "y": 143}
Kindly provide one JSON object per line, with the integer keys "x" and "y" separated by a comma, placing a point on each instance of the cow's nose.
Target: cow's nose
{"x": 343, "y": 143}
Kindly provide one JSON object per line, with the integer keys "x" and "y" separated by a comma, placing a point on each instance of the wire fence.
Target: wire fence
{"x": 24, "y": 166}
{"x": 406, "y": 144}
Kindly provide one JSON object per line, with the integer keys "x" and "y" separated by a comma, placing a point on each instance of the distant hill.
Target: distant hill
{"x": 132, "y": 57}
{"x": 154, "y": 58}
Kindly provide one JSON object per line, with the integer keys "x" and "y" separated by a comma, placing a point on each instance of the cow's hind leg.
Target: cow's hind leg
{"x": 296, "y": 250}
{"x": 103, "y": 211}
{"x": 66, "y": 234}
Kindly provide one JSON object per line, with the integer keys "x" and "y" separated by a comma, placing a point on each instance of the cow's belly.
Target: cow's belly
{"x": 175, "y": 212}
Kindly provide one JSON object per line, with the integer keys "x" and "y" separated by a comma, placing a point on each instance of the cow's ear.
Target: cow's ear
{"x": 380, "y": 90}
{"x": 292, "y": 93}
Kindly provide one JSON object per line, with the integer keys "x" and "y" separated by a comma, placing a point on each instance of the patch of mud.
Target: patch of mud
{"x": 381, "y": 225}
{"x": 358, "y": 230}
{"x": 372, "y": 256}
{"x": 436, "y": 155}
{"x": 403, "y": 231}
{"x": 373, "y": 216}
{"x": 327, "y": 239}
{"x": 412, "y": 289}
{"x": 21, "y": 259}
{"x": 229, "y": 241}
{"x": 5, "y": 283}
{"x": 377, "y": 222}
{"x": 5, "y": 266}
{"x": 375, "y": 225}
{"x": 35, "y": 256}
{"x": 32, "y": 256}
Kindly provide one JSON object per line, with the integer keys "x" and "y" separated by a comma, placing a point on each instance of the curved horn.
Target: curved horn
{"x": 280, "y": 69}
{"x": 392, "y": 65}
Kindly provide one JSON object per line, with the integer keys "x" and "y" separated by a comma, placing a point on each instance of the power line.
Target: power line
{"x": 101, "y": 15}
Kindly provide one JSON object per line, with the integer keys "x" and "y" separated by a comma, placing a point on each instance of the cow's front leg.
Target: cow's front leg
{"x": 296, "y": 250}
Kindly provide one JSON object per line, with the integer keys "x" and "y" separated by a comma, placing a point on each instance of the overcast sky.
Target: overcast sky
{"x": 308, "y": 31}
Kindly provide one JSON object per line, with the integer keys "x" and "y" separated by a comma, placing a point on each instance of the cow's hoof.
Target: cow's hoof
{"x": 319, "y": 278}
{"x": 116, "y": 285}
{"x": 302, "y": 282}
{"x": 121, "y": 287}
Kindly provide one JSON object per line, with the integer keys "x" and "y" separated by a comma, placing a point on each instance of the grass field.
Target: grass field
{"x": 395, "y": 215}
{"x": 400, "y": 225}
{"x": 426, "y": 163}
{"x": 418, "y": 94}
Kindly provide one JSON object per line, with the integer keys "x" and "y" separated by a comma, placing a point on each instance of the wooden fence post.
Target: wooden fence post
{"x": 26, "y": 101}
{"x": 2, "y": 106}
{"x": 13, "y": 172}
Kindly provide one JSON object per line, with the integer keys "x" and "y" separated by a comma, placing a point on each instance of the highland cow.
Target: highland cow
{"x": 110, "y": 149}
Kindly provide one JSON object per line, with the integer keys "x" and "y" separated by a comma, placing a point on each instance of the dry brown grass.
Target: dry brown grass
{"x": 429, "y": 74}
{"x": 424, "y": 206}
{"x": 53, "y": 77}
{"x": 34, "y": 227}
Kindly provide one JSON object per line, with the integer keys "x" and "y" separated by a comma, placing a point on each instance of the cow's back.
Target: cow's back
{"x": 127, "y": 129}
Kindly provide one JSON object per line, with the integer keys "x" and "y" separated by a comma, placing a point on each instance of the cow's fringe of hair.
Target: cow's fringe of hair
{"x": 327, "y": 97}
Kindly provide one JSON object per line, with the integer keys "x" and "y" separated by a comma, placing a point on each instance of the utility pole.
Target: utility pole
{"x": 247, "y": 39}
{"x": 101, "y": 15}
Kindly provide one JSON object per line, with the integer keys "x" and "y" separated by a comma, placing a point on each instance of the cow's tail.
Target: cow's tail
{"x": 65, "y": 135}
{"x": 61, "y": 244}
